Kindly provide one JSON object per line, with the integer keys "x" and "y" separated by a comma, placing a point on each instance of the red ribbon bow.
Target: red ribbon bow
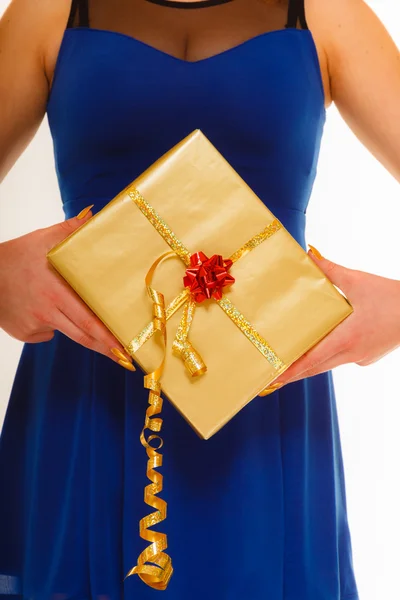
{"x": 206, "y": 277}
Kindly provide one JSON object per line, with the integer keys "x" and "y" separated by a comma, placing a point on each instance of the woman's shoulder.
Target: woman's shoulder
{"x": 348, "y": 35}
{"x": 35, "y": 27}
{"x": 30, "y": 35}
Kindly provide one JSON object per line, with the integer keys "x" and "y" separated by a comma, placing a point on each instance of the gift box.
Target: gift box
{"x": 193, "y": 198}
{"x": 188, "y": 254}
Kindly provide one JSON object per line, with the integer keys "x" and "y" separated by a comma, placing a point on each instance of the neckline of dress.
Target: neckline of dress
{"x": 199, "y": 61}
{"x": 192, "y": 63}
{"x": 189, "y": 4}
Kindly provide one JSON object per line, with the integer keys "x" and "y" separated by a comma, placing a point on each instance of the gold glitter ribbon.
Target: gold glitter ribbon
{"x": 183, "y": 348}
{"x": 154, "y": 566}
{"x": 188, "y": 353}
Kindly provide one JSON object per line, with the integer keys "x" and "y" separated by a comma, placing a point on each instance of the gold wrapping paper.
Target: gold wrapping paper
{"x": 281, "y": 292}
{"x": 279, "y": 306}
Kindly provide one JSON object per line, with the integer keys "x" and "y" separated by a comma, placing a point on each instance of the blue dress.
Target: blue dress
{"x": 257, "y": 512}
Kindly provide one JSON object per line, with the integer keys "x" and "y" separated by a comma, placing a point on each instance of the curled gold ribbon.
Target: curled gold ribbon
{"x": 183, "y": 348}
{"x": 154, "y": 566}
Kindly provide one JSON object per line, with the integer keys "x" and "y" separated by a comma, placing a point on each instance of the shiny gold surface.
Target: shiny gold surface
{"x": 160, "y": 226}
{"x": 249, "y": 331}
{"x": 283, "y": 294}
{"x": 154, "y": 566}
{"x": 181, "y": 346}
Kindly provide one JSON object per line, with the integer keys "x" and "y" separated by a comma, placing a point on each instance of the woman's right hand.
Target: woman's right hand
{"x": 35, "y": 300}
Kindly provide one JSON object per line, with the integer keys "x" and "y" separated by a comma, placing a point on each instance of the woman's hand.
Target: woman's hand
{"x": 35, "y": 300}
{"x": 365, "y": 336}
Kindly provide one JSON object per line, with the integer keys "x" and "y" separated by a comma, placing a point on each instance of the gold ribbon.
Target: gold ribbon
{"x": 183, "y": 348}
{"x": 190, "y": 356}
{"x": 154, "y": 566}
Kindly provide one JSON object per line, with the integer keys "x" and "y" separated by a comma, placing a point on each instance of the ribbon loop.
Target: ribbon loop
{"x": 191, "y": 358}
{"x": 153, "y": 424}
{"x": 181, "y": 345}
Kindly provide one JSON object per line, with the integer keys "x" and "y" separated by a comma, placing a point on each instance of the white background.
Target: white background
{"x": 353, "y": 219}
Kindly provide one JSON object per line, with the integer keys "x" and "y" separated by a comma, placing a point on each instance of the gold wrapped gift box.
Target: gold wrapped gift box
{"x": 280, "y": 304}
{"x": 278, "y": 288}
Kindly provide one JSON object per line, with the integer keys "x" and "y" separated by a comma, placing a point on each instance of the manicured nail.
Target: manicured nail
{"x": 275, "y": 386}
{"x": 84, "y": 212}
{"x": 315, "y": 252}
{"x": 117, "y": 352}
{"x": 271, "y": 388}
{"x": 127, "y": 365}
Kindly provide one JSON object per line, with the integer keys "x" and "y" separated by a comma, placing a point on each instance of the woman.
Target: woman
{"x": 259, "y": 510}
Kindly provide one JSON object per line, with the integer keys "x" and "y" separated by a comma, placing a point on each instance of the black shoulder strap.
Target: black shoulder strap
{"x": 81, "y": 8}
{"x": 296, "y": 11}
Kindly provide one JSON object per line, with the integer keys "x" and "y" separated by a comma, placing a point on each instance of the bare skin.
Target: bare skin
{"x": 360, "y": 69}
{"x": 34, "y": 300}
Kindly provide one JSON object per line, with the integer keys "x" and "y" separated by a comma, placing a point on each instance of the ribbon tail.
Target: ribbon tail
{"x": 181, "y": 345}
{"x": 154, "y": 566}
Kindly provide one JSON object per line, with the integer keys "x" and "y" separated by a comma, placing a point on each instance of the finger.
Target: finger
{"x": 58, "y": 232}
{"x": 327, "y": 365}
{"x": 63, "y": 323}
{"x": 335, "y": 342}
{"x": 339, "y": 275}
{"x": 73, "y": 307}
{"x": 40, "y": 336}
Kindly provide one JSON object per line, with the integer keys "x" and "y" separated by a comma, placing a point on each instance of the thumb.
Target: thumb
{"x": 337, "y": 274}
{"x": 58, "y": 232}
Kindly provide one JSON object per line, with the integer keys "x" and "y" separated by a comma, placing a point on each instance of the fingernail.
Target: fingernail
{"x": 117, "y": 352}
{"x": 271, "y": 388}
{"x": 84, "y": 212}
{"x": 315, "y": 252}
{"x": 127, "y": 365}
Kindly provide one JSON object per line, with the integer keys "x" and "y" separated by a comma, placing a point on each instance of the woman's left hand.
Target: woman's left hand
{"x": 365, "y": 336}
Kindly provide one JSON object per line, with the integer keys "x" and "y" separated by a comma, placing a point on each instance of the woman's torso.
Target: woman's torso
{"x": 135, "y": 77}
{"x": 189, "y": 45}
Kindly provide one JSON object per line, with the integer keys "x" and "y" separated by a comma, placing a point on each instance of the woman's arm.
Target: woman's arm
{"x": 27, "y": 30}
{"x": 364, "y": 69}
{"x": 34, "y": 300}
